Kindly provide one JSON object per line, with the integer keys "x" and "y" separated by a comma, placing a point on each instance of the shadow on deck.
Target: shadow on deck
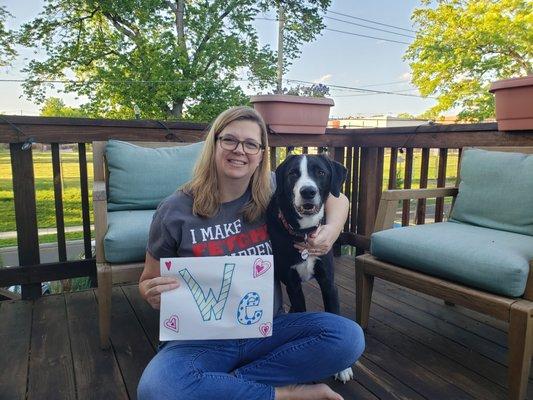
{"x": 417, "y": 347}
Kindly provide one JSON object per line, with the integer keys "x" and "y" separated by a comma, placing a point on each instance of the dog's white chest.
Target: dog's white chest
{"x": 306, "y": 269}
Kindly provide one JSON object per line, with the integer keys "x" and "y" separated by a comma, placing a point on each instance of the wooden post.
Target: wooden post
{"x": 441, "y": 182}
{"x": 393, "y": 167}
{"x": 25, "y": 213}
{"x": 368, "y": 191}
{"x": 421, "y": 204}
{"x": 84, "y": 189}
{"x": 406, "y": 206}
{"x": 338, "y": 155}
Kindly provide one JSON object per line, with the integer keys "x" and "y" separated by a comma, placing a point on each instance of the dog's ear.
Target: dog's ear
{"x": 280, "y": 176}
{"x": 338, "y": 175}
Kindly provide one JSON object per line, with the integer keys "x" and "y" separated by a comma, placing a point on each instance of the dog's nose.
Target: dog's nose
{"x": 308, "y": 192}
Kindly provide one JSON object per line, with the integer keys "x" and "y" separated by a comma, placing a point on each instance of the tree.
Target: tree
{"x": 463, "y": 45}
{"x": 171, "y": 59}
{"x": 7, "y": 52}
{"x": 55, "y": 107}
{"x": 406, "y": 115}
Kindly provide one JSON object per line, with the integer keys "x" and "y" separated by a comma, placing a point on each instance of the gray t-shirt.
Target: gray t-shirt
{"x": 176, "y": 232}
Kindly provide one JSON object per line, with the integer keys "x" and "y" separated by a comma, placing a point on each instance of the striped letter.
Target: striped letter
{"x": 210, "y": 305}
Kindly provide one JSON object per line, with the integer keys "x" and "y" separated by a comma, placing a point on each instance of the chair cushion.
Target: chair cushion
{"x": 127, "y": 235}
{"x": 487, "y": 259}
{"x": 496, "y": 191}
{"x": 141, "y": 177}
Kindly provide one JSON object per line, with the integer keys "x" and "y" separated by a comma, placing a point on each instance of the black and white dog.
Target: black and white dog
{"x": 303, "y": 183}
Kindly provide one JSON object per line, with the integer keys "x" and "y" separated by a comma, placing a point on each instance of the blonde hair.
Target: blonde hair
{"x": 203, "y": 186}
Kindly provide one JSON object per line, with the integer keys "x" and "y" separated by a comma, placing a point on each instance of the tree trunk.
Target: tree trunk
{"x": 177, "y": 109}
{"x": 180, "y": 28}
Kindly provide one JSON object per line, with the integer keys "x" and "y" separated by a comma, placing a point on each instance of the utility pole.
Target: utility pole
{"x": 281, "y": 26}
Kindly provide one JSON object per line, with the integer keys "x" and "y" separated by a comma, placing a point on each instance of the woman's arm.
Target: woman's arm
{"x": 152, "y": 284}
{"x": 321, "y": 241}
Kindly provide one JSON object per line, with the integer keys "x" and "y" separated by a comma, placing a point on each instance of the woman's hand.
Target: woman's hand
{"x": 320, "y": 241}
{"x": 151, "y": 289}
{"x": 152, "y": 284}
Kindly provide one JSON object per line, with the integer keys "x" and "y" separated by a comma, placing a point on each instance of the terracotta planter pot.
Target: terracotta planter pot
{"x": 294, "y": 114}
{"x": 514, "y": 103}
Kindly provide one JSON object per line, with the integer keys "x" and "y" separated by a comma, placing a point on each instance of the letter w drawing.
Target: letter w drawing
{"x": 210, "y": 305}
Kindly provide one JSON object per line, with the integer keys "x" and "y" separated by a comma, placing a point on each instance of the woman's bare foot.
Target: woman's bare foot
{"x": 320, "y": 391}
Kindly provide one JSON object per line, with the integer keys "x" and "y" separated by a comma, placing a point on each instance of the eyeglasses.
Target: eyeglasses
{"x": 230, "y": 143}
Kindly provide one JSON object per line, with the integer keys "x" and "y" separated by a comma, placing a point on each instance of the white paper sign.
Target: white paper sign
{"x": 230, "y": 297}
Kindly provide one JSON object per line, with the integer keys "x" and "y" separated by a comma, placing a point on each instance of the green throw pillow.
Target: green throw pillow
{"x": 140, "y": 177}
{"x": 496, "y": 191}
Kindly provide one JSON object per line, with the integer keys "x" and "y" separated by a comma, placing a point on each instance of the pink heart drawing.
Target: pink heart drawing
{"x": 173, "y": 323}
{"x": 168, "y": 264}
{"x": 265, "y": 329}
{"x": 260, "y": 267}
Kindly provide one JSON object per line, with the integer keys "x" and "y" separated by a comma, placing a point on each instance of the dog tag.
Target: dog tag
{"x": 304, "y": 254}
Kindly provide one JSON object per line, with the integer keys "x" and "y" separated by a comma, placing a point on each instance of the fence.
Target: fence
{"x": 376, "y": 158}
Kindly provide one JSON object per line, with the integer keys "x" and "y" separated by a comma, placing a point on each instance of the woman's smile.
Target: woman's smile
{"x": 236, "y": 162}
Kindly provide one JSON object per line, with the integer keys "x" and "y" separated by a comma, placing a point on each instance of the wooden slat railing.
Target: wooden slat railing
{"x": 441, "y": 182}
{"x": 424, "y": 172}
{"x": 25, "y": 212}
{"x": 363, "y": 152}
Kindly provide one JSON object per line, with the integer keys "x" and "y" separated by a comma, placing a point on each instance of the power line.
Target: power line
{"x": 385, "y": 84}
{"x": 350, "y": 33}
{"x": 366, "y": 36}
{"x": 369, "y": 20}
{"x": 359, "y": 89}
{"x": 369, "y": 27}
{"x": 372, "y": 94}
{"x": 375, "y": 84}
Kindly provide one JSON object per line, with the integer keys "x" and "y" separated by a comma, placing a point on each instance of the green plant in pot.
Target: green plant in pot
{"x": 314, "y": 90}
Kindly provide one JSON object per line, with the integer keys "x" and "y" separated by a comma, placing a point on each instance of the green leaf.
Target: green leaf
{"x": 138, "y": 54}
{"x": 463, "y": 45}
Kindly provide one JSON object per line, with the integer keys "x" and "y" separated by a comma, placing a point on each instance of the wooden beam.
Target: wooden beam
{"x": 368, "y": 190}
{"x": 58, "y": 198}
{"x": 484, "y": 302}
{"x": 424, "y": 170}
{"x": 402, "y": 194}
{"x": 441, "y": 182}
{"x": 84, "y": 189}
{"x": 25, "y": 213}
{"x": 83, "y": 130}
{"x": 35, "y": 274}
{"x": 408, "y": 175}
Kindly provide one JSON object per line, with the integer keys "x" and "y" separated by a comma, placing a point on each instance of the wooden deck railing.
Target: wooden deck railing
{"x": 363, "y": 151}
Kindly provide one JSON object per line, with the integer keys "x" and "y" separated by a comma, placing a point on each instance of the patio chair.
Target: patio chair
{"x": 130, "y": 180}
{"x": 481, "y": 258}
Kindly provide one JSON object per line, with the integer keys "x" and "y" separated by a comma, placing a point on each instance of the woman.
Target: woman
{"x": 231, "y": 188}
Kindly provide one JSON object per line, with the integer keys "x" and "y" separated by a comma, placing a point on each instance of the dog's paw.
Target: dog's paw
{"x": 344, "y": 375}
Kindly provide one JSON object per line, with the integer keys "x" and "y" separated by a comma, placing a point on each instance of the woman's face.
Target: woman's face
{"x": 236, "y": 164}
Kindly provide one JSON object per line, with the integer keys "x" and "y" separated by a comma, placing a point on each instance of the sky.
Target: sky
{"x": 333, "y": 58}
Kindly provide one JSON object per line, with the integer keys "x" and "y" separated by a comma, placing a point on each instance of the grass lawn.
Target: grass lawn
{"x": 45, "y": 239}
{"x": 45, "y": 189}
{"x": 451, "y": 169}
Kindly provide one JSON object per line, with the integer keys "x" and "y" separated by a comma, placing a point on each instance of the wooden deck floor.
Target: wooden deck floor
{"x": 416, "y": 347}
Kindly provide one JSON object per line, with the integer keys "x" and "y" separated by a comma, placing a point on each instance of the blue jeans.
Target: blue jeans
{"x": 305, "y": 347}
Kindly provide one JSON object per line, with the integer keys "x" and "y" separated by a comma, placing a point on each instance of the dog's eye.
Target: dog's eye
{"x": 321, "y": 172}
{"x": 293, "y": 172}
